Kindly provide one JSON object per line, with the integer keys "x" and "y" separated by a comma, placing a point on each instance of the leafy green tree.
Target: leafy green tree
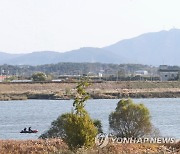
{"x": 77, "y": 129}
{"x": 58, "y": 130}
{"x": 40, "y": 76}
{"x": 130, "y": 120}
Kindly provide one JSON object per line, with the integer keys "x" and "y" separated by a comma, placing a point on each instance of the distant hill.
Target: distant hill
{"x": 151, "y": 48}
{"x": 92, "y": 55}
{"x": 36, "y": 58}
{"x": 5, "y": 57}
{"x": 50, "y": 57}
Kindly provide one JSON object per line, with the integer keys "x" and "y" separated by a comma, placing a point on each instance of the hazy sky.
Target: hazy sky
{"x": 62, "y": 25}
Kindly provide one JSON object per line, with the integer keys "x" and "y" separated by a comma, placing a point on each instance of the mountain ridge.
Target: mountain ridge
{"x": 154, "y": 48}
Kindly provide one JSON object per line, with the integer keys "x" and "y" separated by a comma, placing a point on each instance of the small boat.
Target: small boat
{"x": 26, "y": 131}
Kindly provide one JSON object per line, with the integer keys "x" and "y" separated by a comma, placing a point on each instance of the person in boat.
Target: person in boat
{"x": 25, "y": 129}
{"x": 29, "y": 129}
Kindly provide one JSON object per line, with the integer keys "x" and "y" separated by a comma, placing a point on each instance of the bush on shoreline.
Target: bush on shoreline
{"x": 130, "y": 120}
{"x": 77, "y": 129}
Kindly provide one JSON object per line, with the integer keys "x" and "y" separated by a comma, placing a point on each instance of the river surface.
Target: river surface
{"x": 15, "y": 115}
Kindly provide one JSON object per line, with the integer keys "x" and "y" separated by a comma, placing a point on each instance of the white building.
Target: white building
{"x": 141, "y": 72}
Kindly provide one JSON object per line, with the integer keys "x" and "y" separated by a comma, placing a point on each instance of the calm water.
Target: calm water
{"x": 15, "y": 115}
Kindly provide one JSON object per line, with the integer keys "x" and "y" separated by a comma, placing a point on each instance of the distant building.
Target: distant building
{"x": 141, "y": 72}
{"x": 100, "y": 74}
{"x": 167, "y": 73}
{"x": 56, "y": 80}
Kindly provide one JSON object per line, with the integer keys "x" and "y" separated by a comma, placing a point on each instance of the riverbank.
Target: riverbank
{"x": 100, "y": 90}
{"x": 58, "y": 146}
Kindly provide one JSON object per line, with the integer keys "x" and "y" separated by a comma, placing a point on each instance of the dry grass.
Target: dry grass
{"x": 56, "y": 146}
{"x": 106, "y": 86}
{"x": 33, "y": 146}
{"x": 132, "y": 149}
{"x": 104, "y": 90}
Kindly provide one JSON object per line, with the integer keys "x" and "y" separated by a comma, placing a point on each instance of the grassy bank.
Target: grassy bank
{"x": 104, "y": 90}
{"x": 57, "y": 146}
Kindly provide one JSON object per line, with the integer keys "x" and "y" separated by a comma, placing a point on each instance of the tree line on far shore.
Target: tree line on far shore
{"x": 74, "y": 69}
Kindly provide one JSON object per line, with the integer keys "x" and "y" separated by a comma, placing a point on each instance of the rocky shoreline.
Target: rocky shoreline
{"x": 105, "y": 90}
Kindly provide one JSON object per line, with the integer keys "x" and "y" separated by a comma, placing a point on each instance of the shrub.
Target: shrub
{"x": 80, "y": 131}
{"x": 130, "y": 120}
{"x": 39, "y": 76}
{"x": 57, "y": 129}
{"x": 77, "y": 129}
